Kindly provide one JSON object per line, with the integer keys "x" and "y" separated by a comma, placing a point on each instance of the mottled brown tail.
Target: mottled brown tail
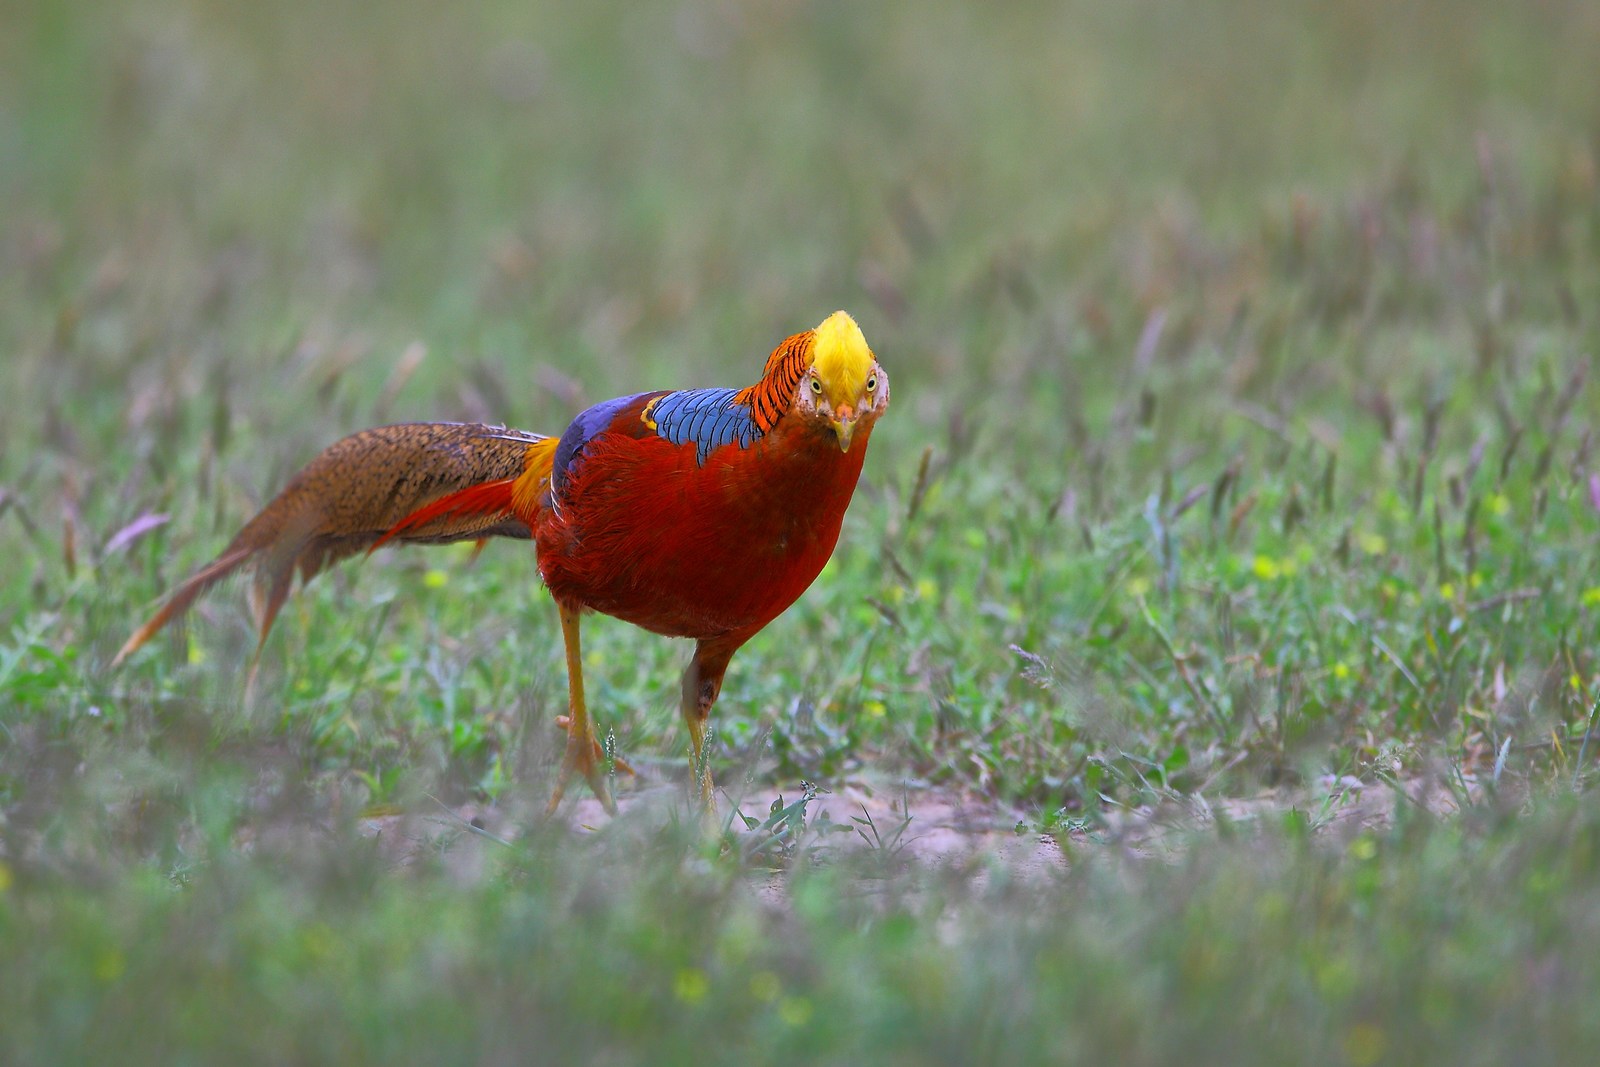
{"x": 359, "y": 491}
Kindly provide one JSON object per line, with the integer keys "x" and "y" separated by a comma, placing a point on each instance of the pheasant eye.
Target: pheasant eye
{"x": 872, "y": 385}
{"x": 816, "y": 386}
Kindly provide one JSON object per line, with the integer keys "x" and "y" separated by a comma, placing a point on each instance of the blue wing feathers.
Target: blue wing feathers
{"x": 706, "y": 418}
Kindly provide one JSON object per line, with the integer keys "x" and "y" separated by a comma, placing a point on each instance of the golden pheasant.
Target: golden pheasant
{"x": 701, "y": 513}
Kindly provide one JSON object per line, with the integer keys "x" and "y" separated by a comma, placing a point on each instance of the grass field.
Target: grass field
{"x": 1233, "y": 531}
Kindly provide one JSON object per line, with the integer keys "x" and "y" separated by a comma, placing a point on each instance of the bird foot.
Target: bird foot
{"x": 564, "y": 724}
{"x": 584, "y": 755}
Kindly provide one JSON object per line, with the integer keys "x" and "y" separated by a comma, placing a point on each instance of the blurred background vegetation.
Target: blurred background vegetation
{"x": 1242, "y": 441}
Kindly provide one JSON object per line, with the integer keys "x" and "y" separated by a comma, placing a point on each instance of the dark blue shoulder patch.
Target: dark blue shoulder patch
{"x": 588, "y": 423}
{"x": 707, "y": 418}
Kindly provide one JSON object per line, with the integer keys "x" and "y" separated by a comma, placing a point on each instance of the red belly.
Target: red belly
{"x": 640, "y": 531}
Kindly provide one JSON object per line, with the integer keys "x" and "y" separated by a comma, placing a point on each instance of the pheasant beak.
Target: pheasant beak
{"x": 844, "y": 425}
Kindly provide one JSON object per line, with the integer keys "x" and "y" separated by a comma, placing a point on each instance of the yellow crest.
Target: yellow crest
{"x": 840, "y": 357}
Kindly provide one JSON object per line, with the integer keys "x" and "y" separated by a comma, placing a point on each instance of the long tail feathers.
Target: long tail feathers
{"x": 182, "y": 598}
{"x": 429, "y": 483}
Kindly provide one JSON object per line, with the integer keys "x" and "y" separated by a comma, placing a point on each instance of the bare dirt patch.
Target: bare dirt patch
{"x": 916, "y": 825}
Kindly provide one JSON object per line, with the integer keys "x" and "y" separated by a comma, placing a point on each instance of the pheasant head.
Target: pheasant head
{"x": 843, "y": 387}
{"x": 826, "y": 378}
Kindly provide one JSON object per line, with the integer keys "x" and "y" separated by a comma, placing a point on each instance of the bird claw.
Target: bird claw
{"x": 585, "y": 756}
{"x": 564, "y": 724}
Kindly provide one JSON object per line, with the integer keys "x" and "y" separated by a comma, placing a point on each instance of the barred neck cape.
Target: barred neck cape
{"x": 769, "y": 398}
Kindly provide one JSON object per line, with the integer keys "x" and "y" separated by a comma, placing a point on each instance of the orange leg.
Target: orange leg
{"x": 583, "y": 750}
{"x": 702, "y": 682}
